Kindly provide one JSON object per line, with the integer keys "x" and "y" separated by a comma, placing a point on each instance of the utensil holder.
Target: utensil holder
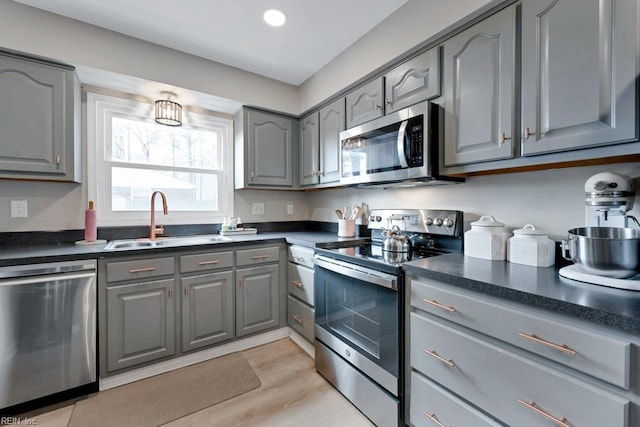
{"x": 346, "y": 228}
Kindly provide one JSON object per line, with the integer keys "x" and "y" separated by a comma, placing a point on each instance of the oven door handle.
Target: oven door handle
{"x": 361, "y": 273}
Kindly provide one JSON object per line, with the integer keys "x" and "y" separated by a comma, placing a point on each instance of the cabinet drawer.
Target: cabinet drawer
{"x": 301, "y": 280}
{"x": 257, "y": 256}
{"x": 300, "y": 317}
{"x": 301, "y": 255}
{"x": 140, "y": 269}
{"x": 606, "y": 357}
{"x": 504, "y": 383}
{"x": 431, "y": 404}
{"x": 206, "y": 262}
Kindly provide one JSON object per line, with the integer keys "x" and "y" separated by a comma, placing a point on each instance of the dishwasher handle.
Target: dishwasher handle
{"x": 46, "y": 269}
{"x": 18, "y": 281}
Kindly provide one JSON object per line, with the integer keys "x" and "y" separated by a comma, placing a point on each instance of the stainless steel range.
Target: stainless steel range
{"x": 359, "y": 294}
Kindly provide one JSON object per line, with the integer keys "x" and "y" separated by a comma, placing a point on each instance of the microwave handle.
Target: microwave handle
{"x": 402, "y": 155}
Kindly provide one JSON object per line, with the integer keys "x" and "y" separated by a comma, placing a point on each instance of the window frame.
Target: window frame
{"x": 101, "y": 108}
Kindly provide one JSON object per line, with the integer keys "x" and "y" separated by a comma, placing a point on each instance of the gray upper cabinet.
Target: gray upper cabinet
{"x": 479, "y": 91}
{"x": 39, "y": 104}
{"x": 413, "y": 81}
{"x": 332, "y": 122}
{"x": 207, "y": 309}
{"x": 365, "y": 103}
{"x": 579, "y": 70}
{"x": 264, "y": 149}
{"x": 309, "y": 149}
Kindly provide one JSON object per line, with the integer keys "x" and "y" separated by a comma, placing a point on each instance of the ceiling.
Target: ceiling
{"x": 232, "y": 32}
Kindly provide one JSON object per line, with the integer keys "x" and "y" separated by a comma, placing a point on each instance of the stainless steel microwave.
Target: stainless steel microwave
{"x": 399, "y": 149}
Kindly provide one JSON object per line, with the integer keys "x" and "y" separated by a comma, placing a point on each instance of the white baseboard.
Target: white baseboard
{"x": 190, "y": 359}
{"x": 302, "y": 343}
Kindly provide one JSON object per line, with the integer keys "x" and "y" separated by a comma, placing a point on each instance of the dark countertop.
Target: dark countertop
{"x": 539, "y": 287}
{"x": 32, "y": 254}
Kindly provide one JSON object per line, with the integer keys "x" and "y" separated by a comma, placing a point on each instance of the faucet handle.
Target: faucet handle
{"x": 159, "y": 229}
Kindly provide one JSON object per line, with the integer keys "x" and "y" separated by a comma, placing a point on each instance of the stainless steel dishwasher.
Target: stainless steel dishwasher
{"x": 47, "y": 329}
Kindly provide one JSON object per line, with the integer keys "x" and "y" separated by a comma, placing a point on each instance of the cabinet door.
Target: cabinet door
{"x": 478, "y": 91}
{"x": 579, "y": 73}
{"x": 36, "y": 118}
{"x": 207, "y": 309}
{"x": 332, "y": 122}
{"x": 413, "y": 81}
{"x": 309, "y": 149}
{"x": 270, "y": 139}
{"x": 140, "y": 323}
{"x": 365, "y": 103}
{"x": 257, "y": 306}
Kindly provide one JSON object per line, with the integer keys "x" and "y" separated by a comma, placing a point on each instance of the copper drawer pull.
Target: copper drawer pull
{"x": 142, "y": 270}
{"x": 563, "y": 348}
{"x": 562, "y": 422}
{"x": 260, "y": 256}
{"x": 432, "y": 353}
{"x": 297, "y": 318}
{"x": 437, "y": 304}
{"x": 433, "y": 418}
{"x": 297, "y": 284}
{"x": 213, "y": 261}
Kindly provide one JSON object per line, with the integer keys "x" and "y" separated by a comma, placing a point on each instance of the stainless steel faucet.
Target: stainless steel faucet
{"x": 153, "y": 230}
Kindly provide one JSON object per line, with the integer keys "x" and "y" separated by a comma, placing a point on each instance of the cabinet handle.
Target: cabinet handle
{"x": 433, "y": 418}
{"x": 252, "y": 176}
{"x": 378, "y": 106}
{"x": 528, "y": 133}
{"x": 186, "y": 290}
{"x": 240, "y": 282}
{"x": 142, "y": 270}
{"x": 562, "y": 422}
{"x": 389, "y": 102}
{"x": 260, "y": 256}
{"x": 213, "y": 261}
{"x": 297, "y": 318}
{"x": 536, "y": 339}
{"x": 58, "y": 160}
{"x": 450, "y": 309}
{"x": 432, "y": 353}
{"x": 297, "y": 284}
{"x": 170, "y": 292}
{"x": 504, "y": 138}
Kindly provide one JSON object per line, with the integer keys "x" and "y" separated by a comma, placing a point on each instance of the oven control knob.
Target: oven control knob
{"x": 347, "y": 353}
{"x": 438, "y": 222}
{"x": 428, "y": 221}
{"x": 378, "y": 218}
{"x": 448, "y": 222}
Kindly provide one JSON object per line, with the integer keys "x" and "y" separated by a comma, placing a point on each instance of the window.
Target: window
{"x": 131, "y": 156}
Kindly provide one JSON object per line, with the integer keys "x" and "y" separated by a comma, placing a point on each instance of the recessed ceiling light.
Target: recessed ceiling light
{"x": 274, "y": 17}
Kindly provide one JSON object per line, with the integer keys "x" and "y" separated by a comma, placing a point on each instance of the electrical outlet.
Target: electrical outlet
{"x": 257, "y": 208}
{"x": 19, "y": 209}
{"x": 289, "y": 209}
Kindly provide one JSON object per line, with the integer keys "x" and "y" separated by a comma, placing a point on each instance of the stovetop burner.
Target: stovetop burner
{"x": 432, "y": 232}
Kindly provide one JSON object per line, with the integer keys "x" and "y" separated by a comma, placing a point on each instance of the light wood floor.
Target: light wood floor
{"x": 292, "y": 394}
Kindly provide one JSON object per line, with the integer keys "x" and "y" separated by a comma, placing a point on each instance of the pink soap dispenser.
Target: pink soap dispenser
{"x": 90, "y": 229}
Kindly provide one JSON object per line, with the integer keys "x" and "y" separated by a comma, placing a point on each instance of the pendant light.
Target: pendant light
{"x": 168, "y": 112}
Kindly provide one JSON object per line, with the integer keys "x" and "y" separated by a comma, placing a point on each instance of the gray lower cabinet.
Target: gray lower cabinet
{"x": 479, "y": 360}
{"x": 207, "y": 309}
{"x": 300, "y": 288}
{"x": 264, "y": 145}
{"x": 478, "y": 95}
{"x": 40, "y": 120}
{"x": 579, "y": 72}
{"x": 257, "y": 299}
{"x": 140, "y": 323}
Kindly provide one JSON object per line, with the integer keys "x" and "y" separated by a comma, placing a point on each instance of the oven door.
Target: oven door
{"x": 357, "y": 315}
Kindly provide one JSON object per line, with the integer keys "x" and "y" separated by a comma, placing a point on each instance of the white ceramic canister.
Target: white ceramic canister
{"x": 531, "y": 246}
{"x": 487, "y": 239}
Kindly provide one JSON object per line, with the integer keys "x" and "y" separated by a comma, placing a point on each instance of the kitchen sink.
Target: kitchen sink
{"x": 145, "y": 243}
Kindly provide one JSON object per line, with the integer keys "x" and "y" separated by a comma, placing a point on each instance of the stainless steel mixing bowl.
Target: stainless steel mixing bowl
{"x": 604, "y": 251}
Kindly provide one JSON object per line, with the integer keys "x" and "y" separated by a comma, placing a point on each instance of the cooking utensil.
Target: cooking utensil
{"x": 395, "y": 241}
{"x": 604, "y": 251}
{"x": 339, "y": 214}
{"x": 357, "y": 211}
